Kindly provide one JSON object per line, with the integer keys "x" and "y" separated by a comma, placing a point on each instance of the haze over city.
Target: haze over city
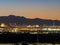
{"x": 45, "y": 9}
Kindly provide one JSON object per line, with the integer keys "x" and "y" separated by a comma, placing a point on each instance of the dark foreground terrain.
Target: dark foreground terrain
{"x": 30, "y": 38}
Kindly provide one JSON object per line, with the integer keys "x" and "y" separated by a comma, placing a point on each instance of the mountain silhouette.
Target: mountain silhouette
{"x": 21, "y": 20}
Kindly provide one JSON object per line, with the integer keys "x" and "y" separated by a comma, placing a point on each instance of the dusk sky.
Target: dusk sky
{"x": 45, "y": 9}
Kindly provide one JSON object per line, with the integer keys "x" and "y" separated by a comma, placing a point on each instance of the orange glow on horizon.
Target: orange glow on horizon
{"x": 54, "y": 15}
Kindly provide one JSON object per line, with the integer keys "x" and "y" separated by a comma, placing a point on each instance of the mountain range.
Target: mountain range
{"x": 21, "y": 20}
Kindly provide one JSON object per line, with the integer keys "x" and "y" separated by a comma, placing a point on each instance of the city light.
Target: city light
{"x": 3, "y": 25}
{"x": 30, "y": 28}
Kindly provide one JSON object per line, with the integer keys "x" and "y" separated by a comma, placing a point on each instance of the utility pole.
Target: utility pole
{"x": 37, "y": 37}
{"x": 53, "y": 23}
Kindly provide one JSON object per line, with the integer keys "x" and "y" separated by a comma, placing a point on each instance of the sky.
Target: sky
{"x": 45, "y": 9}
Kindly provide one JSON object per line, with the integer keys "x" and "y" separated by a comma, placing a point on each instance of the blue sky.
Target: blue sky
{"x": 31, "y": 8}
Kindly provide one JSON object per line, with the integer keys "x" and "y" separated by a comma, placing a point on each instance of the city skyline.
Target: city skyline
{"x": 45, "y": 9}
